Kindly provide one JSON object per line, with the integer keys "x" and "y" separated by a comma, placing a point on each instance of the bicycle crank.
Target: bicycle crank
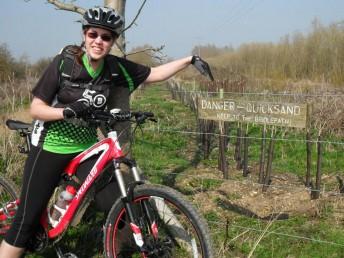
{"x": 60, "y": 254}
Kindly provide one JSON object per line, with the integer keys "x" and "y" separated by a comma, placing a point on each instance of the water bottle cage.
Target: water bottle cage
{"x": 61, "y": 210}
{"x": 54, "y": 222}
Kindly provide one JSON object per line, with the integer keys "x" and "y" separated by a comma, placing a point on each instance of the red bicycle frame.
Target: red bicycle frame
{"x": 110, "y": 150}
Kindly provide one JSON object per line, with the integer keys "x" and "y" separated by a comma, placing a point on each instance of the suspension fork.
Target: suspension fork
{"x": 128, "y": 198}
{"x": 144, "y": 203}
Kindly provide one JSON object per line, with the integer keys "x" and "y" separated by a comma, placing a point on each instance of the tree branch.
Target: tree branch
{"x": 156, "y": 51}
{"x": 137, "y": 15}
{"x": 67, "y": 6}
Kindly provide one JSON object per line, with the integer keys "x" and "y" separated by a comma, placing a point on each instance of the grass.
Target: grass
{"x": 166, "y": 152}
{"x": 168, "y": 156}
{"x": 289, "y": 151}
{"x": 295, "y": 233}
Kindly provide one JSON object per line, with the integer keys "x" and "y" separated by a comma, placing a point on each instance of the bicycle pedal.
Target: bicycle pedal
{"x": 60, "y": 254}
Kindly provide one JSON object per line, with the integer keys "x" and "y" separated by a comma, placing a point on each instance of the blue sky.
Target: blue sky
{"x": 36, "y": 29}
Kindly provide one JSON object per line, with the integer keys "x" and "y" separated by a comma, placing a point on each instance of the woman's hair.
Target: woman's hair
{"x": 80, "y": 52}
{"x": 76, "y": 51}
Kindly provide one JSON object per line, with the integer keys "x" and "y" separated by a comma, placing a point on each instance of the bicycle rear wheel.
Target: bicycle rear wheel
{"x": 8, "y": 203}
{"x": 178, "y": 231}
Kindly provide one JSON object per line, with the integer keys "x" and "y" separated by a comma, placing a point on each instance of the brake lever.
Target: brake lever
{"x": 138, "y": 126}
{"x": 140, "y": 120}
{"x": 153, "y": 120}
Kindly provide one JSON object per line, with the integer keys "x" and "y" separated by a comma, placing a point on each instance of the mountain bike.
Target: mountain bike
{"x": 146, "y": 221}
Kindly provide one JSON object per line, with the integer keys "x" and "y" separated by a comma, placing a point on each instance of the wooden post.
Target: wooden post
{"x": 205, "y": 137}
{"x": 308, "y": 148}
{"x": 267, "y": 179}
{"x": 262, "y": 156}
{"x": 316, "y": 192}
{"x": 226, "y": 234}
{"x": 222, "y": 162}
{"x": 246, "y": 142}
{"x": 309, "y": 159}
{"x": 237, "y": 154}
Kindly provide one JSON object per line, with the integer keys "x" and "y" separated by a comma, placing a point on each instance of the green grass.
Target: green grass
{"x": 285, "y": 238}
{"x": 289, "y": 151}
{"x": 159, "y": 152}
{"x": 168, "y": 156}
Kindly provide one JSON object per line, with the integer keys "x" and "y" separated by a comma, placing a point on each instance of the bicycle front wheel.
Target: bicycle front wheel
{"x": 8, "y": 204}
{"x": 170, "y": 227}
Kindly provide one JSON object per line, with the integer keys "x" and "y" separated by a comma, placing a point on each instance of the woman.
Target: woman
{"x": 63, "y": 94}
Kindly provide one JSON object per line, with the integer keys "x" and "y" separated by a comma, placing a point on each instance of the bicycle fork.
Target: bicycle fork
{"x": 128, "y": 197}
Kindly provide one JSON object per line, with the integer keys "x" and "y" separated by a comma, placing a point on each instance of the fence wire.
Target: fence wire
{"x": 158, "y": 129}
{"x": 221, "y": 224}
{"x": 288, "y": 94}
{"x": 260, "y": 185}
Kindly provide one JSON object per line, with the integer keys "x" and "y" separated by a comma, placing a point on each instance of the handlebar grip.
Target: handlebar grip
{"x": 122, "y": 116}
{"x": 149, "y": 114}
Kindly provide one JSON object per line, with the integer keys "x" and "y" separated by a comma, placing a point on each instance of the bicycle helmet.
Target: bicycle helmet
{"x": 105, "y": 18}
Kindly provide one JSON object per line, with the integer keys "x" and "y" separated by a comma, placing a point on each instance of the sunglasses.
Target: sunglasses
{"x": 94, "y": 35}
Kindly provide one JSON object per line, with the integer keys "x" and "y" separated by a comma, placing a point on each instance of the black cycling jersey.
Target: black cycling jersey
{"x": 62, "y": 136}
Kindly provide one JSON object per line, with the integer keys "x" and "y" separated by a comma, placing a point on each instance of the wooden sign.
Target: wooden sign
{"x": 269, "y": 113}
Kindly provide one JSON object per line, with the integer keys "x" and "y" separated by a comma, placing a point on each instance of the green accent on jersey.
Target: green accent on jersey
{"x": 64, "y": 137}
{"x": 93, "y": 73}
{"x": 127, "y": 77}
{"x": 61, "y": 65}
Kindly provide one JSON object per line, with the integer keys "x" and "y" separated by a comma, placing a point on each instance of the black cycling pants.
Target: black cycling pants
{"x": 42, "y": 173}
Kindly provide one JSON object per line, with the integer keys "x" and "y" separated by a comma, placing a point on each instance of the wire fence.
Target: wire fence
{"x": 245, "y": 181}
{"x": 160, "y": 129}
{"x": 224, "y": 224}
{"x": 282, "y": 94}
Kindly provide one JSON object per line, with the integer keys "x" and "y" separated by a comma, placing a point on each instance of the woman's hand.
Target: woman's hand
{"x": 202, "y": 66}
{"x": 77, "y": 109}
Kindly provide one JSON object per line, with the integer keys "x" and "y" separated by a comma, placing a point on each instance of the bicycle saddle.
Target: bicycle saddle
{"x": 18, "y": 125}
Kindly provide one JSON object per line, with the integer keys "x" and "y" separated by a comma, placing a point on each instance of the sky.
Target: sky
{"x": 37, "y": 30}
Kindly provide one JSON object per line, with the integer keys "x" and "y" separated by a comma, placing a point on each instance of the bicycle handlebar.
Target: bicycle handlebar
{"x": 113, "y": 116}
{"x": 95, "y": 118}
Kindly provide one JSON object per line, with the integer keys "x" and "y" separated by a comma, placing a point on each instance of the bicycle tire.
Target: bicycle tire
{"x": 182, "y": 231}
{"x": 9, "y": 194}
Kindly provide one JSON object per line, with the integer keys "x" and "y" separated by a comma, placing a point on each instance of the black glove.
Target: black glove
{"x": 76, "y": 109}
{"x": 202, "y": 66}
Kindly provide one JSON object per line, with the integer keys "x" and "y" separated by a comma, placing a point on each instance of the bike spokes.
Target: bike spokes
{"x": 166, "y": 231}
{"x": 8, "y": 209}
